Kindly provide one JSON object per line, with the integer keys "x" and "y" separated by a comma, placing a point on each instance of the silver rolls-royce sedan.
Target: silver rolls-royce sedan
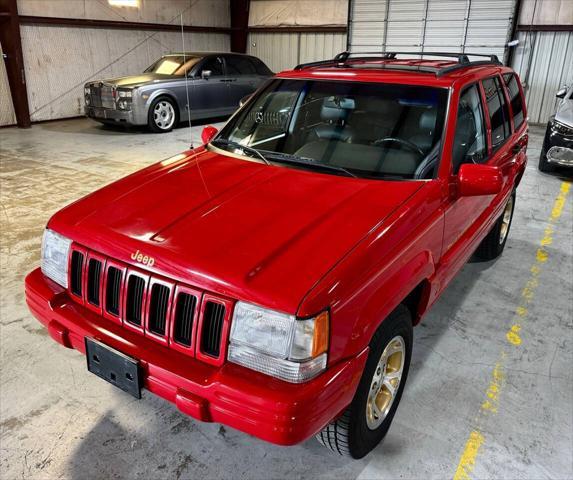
{"x": 160, "y": 96}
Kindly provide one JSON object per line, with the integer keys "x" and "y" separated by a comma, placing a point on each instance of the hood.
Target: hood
{"x": 246, "y": 230}
{"x": 137, "y": 80}
{"x": 564, "y": 112}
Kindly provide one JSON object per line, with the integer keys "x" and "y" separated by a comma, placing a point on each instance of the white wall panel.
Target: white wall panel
{"x": 214, "y": 13}
{"x": 543, "y": 61}
{"x": 7, "y": 116}
{"x": 297, "y": 12}
{"x": 59, "y": 60}
{"x": 281, "y": 51}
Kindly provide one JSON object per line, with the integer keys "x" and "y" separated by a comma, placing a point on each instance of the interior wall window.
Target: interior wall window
{"x": 515, "y": 98}
{"x": 470, "y": 139}
{"x": 498, "y": 112}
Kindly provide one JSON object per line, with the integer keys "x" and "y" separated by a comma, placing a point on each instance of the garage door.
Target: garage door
{"x": 431, "y": 25}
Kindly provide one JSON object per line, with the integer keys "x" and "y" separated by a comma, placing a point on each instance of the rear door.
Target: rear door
{"x": 242, "y": 77}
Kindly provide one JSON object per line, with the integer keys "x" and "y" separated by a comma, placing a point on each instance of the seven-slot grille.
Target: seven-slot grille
{"x": 163, "y": 310}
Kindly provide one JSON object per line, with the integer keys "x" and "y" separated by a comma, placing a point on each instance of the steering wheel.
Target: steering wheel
{"x": 401, "y": 141}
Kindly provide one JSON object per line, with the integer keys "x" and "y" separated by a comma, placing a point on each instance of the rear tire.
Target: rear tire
{"x": 163, "y": 115}
{"x": 493, "y": 244}
{"x": 358, "y": 430}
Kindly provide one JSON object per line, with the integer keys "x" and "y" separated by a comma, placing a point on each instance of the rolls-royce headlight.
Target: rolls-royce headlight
{"x": 124, "y": 93}
{"x": 278, "y": 344}
{"x": 55, "y": 250}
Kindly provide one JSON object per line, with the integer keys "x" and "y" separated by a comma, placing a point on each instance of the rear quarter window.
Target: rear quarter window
{"x": 515, "y": 99}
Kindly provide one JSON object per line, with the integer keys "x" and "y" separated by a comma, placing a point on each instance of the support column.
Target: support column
{"x": 14, "y": 60}
{"x": 239, "y": 25}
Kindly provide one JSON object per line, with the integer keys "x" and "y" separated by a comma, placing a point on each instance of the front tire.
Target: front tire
{"x": 163, "y": 115}
{"x": 366, "y": 421}
{"x": 493, "y": 244}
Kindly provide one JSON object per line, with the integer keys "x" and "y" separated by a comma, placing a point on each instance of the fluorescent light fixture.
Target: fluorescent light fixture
{"x": 124, "y": 3}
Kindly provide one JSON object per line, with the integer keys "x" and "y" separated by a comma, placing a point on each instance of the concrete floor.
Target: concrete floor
{"x": 57, "y": 420}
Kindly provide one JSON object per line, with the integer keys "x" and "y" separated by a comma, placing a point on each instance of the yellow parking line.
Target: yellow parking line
{"x": 490, "y": 403}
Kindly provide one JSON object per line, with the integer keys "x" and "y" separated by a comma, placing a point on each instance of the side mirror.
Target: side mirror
{"x": 244, "y": 100}
{"x": 561, "y": 93}
{"x": 205, "y": 74}
{"x": 208, "y": 134}
{"x": 475, "y": 179}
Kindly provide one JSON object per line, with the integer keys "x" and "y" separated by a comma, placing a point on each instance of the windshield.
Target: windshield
{"x": 173, "y": 65}
{"x": 369, "y": 130}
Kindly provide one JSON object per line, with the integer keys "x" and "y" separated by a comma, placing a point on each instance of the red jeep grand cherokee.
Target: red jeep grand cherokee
{"x": 270, "y": 279}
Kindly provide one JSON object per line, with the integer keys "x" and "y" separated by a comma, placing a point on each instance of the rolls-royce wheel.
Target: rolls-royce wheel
{"x": 366, "y": 421}
{"x": 163, "y": 115}
{"x": 494, "y": 243}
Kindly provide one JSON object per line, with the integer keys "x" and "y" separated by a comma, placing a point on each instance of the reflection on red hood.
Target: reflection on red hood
{"x": 260, "y": 233}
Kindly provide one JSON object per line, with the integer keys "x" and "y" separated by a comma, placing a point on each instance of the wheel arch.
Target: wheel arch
{"x": 163, "y": 93}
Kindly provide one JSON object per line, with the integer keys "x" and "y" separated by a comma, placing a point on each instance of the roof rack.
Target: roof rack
{"x": 342, "y": 61}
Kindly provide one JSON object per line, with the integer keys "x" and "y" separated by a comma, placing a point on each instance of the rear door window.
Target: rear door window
{"x": 239, "y": 66}
{"x": 498, "y": 112}
{"x": 515, "y": 98}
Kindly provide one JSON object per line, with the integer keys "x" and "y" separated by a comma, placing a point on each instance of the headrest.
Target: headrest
{"x": 428, "y": 119}
{"x": 336, "y": 108}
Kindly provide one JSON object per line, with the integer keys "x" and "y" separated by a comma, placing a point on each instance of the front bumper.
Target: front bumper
{"x": 110, "y": 115}
{"x": 558, "y": 144}
{"x": 276, "y": 411}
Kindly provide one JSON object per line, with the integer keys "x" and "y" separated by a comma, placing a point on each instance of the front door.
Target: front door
{"x": 209, "y": 93}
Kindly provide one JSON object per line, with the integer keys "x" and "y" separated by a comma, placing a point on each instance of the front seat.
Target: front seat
{"x": 334, "y": 113}
{"x": 427, "y": 126}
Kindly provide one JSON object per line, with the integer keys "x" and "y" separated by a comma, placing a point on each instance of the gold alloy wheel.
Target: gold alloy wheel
{"x": 385, "y": 382}
{"x": 506, "y": 220}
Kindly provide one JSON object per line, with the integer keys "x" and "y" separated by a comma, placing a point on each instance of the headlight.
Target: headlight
{"x": 278, "y": 344}
{"x": 124, "y": 93}
{"x": 562, "y": 128}
{"x": 55, "y": 250}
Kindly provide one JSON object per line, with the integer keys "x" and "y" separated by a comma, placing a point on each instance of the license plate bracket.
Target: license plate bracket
{"x": 114, "y": 367}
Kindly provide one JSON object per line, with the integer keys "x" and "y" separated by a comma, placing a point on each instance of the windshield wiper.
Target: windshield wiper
{"x": 231, "y": 143}
{"x": 309, "y": 162}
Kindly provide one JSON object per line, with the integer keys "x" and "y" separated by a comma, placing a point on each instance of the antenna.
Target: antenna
{"x": 186, "y": 82}
{"x": 189, "y": 108}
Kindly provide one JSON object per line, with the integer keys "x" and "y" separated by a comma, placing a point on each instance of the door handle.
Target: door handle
{"x": 516, "y": 148}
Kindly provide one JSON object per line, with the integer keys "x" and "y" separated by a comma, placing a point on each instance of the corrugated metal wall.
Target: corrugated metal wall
{"x": 431, "y": 25}
{"x": 544, "y": 61}
{"x": 281, "y": 51}
{"x": 214, "y": 13}
{"x": 7, "y": 116}
{"x": 59, "y": 60}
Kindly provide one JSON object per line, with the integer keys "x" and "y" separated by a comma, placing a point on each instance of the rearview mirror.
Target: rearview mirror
{"x": 561, "y": 93}
{"x": 475, "y": 179}
{"x": 205, "y": 74}
{"x": 208, "y": 134}
{"x": 244, "y": 100}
